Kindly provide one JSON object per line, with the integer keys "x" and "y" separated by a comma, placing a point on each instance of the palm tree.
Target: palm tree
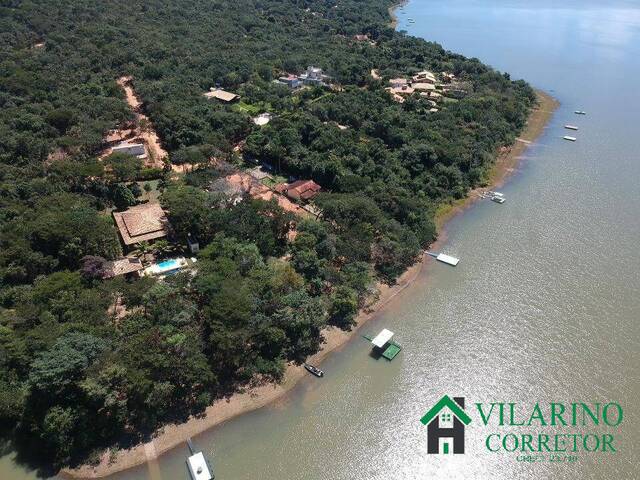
{"x": 142, "y": 251}
{"x": 162, "y": 248}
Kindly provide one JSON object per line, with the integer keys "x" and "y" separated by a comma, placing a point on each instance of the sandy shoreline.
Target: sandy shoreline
{"x": 173, "y": 435}
{"x": 507, "y": 159}
{"x": 392, "y": 12}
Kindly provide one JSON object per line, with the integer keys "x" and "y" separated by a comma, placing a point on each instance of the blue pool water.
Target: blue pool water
{"x": 169, "y": 264}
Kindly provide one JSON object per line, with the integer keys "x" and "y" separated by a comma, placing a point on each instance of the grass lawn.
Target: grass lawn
{"x": 153, "y": 194}
{"x": 253, "y": 109}
{"x": 273, "y": 180}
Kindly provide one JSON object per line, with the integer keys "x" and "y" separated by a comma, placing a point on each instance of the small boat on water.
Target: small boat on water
{"x": 571, "y": 139}
{"x": 498, "y": 199}
{"x": 571, "y": 127}
{"x": 314, "y": 370}
{"x": 411, "y": 20}
{"x": 580, "y": 112}
{"x": 199, "y": 468}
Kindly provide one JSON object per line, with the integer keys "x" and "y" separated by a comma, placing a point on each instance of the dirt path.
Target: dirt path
{"x": 156, "y": 154}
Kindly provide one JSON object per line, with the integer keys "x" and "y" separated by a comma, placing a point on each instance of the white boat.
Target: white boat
{"x": 580, "y": 112}
{"x": 198, "y": 467}
{"x": 571, "y": 139}
{"x": 497, "y": 199}
{"x": 571, "y": 127}
{"x": 453, "y": 261}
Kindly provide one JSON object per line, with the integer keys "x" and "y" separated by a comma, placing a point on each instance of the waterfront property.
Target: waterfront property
{"x": 141, "y": 223}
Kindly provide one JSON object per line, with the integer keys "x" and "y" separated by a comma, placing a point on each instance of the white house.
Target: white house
{"x": 135, "y": 149}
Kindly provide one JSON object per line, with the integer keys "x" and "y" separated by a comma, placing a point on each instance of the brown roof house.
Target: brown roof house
{"x": 300, "y": 190}
{"x": 398, "y": 82}
{"x": 142, "y": 223}
{"x": 424, "y": 87}
{"x": 223, "y": 95}
{"x": 122, "y": 266}
{"x": 425, "y": 77}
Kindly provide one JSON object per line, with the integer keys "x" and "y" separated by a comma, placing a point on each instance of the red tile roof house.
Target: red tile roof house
{"x": 302, "y": 190}
{"x": 122, "y": 266}
{"x": 141, "y": 223}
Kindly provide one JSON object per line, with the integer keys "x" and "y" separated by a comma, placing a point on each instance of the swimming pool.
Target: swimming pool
{"x": 169, "y": 264}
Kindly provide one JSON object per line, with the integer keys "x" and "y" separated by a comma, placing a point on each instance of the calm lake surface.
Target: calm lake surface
{"x": 544, "y": 305}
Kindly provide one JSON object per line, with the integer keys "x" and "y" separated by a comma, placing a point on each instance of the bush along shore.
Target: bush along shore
{"x": 388, "y": 127}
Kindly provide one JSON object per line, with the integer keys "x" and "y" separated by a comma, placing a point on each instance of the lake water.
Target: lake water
{"x": 544, "y": 305}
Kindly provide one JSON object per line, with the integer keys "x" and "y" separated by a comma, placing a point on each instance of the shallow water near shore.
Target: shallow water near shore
{"x": 544, "y": 305}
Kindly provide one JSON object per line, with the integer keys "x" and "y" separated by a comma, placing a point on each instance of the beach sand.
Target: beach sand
{"x": 222, "y": 410}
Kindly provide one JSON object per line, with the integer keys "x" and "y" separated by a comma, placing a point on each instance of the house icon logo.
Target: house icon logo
{"x": 445, "y": 426}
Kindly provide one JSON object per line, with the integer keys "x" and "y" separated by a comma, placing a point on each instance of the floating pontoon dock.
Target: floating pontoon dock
{"x": 382, "y": 341}
{"x": 441, "y": 257}
{"x": 197, "y": 464}
{"x": 571, "y": 139}
{"x": 571, "y": 127}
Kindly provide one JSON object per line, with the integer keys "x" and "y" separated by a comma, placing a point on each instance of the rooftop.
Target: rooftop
{"x": 121, "y": 266}
{"x": 305, "y": 189}
{"x": 221, "y": 95}
{"x": 405, "y": 90}
{"x": 425, "y": 74}
{"x": 382, "y": 338}
{"x": 423, "y": 86}
{"x": 141, "y": 223}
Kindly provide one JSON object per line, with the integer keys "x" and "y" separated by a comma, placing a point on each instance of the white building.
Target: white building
{"x": 135, "y": 149}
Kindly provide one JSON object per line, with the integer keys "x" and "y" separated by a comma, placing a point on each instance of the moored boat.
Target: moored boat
{"x": 580, "y": 112}
{"x": 571, "y": 127}
{"x": 314, "y": 370}
{"x": 571, "y": 139}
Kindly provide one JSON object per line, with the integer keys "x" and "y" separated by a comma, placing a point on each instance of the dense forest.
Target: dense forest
{"x": 88, "y": 363}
